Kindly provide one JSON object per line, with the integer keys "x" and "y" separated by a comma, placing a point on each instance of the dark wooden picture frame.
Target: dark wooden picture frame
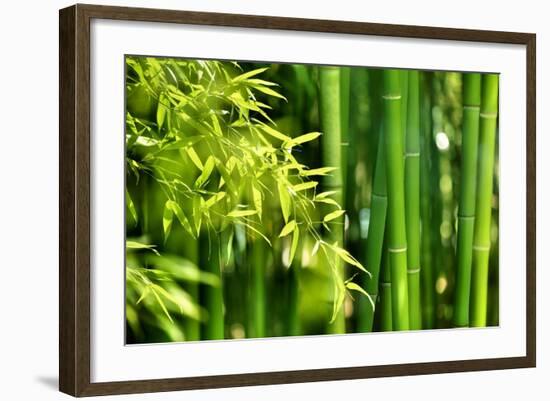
{"x": 74, "y": 199}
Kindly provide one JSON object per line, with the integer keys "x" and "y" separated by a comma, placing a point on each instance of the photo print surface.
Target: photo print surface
{"x": 269, "y": 199}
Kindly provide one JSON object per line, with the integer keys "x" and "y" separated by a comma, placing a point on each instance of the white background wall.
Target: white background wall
{"x": 29, "y": 185}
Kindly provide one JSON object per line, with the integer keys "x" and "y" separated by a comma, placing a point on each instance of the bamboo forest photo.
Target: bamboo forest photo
{"x": 271, "y": 199}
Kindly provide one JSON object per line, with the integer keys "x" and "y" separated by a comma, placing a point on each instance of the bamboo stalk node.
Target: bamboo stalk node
{"x": 397, "y": 250}
{"x": 488, "y": 115}
{"x": 481, "y": 248}
{"x": 391, "y": 97}
{"x": 466, "y": 217}
{"x": 413, "y": 271}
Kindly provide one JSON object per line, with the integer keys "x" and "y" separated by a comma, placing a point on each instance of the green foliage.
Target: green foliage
{"x": 209, "y": 121}
{"x": 154, "y": 294}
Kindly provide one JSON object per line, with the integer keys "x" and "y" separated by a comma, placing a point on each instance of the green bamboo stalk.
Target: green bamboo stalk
{"x": 484, "y": 193}
{"x": 397, "y": 244}
{"x": 466, "y": 209}
{"x": 293, "y": 318}
{"x": 412, "y": 205}
{"x": 345, "y": 74}
{"x": 427, "y": 279}
{"x": 404, "y": 85}
{"x": 257, "y": 301}
{"x": 331, "y": 144}
{"x": 213, "y": 296}
{"x": 375, "y": 239}
{"x": 386, "y": 294}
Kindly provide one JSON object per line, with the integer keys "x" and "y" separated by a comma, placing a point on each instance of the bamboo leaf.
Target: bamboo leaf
{"x": 292, "y": 166}
{"x": 346, "y": 257}
{"x": 131, "y": 207}
{"x": 288, "y": 228}
{"x": 284, "y": 198}
{"x": 339, "y": 297}
{"x": 333, "y": 215}
{"x": 229, "y": 246}
{"x": 176, "y": 209}
{"x": 194, "y": 158}
{"x": 161, "y": 110}
{"x": 242, "y": 213}
{"x": 329, "y": 201}
{"x": 226, "y": 178}
{"x": 257, "y": 197}
{"x": 205, "y": 174}
{"x": 354, "y": 287}
{"x": 197, "y": 214}
{"x": 216, "y": 125}
{"x": 249, "y": 74}
{"x": 305, "y": 185}
{"x": 324, "y": 195}
{"x": 275, "y": 134}
{"x": 256, "y": 81}
{"x": 182, "y": 143}
{"x": 167, "y": 218}
{"x": 162, "y": 305}
{"x": 269, "y": 91}
{"x": 139, "y": 245}
{"x": 146, "y": 141}
{"x": 215, "y": 199}
{"x": 318, "y": 171}
{"x": 143, "y": 295}
{"x": 305, "y": 138}
{"x": 254, "y": 230}
{"x": 315, "y": 248}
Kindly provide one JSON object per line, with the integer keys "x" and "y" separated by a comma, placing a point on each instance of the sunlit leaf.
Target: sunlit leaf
{"x": 305, "y": 185}
{"x": 216, "y": 125}
{"x": 284, "y": 198}
{"x": 197, "y": 213}
{"x": 214, "y": 199}
{"x": 146, "y": 141}
{"x": 161, "y": 303}
{"x": 257, "y": 197}
{"x": 205, "y": 174}
{"x": 305, "y": 138}
{"x": 176, "y": 209}
{"x": 256, "y": 81}
{"x": 275, "y": 134}
{"x": 249, "y": 74}
{"x": 318, "y": 171}
{"x": 269, "y": 91}
{"x": 139, "y": 245}
{"x": 162, "y": 109}
{"x": 194, "y": 158}
{"x": 131, "y": 207}
{"x": 315, "y": 248}
{"x": 167, "y": 218}
{"x": 354, "y": 287}
{"x": 346, "y": 257}
{"x": 242, "y": 213}
{"x": 324, "y": 195}
{"x": 288, "y": 228}
{"x": 328, "y": 201}
{"x": 333, "y": 215}
{"x": 339, "y": 297}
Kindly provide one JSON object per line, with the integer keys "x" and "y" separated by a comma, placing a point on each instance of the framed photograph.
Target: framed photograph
{"x": 250, "y": 200}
